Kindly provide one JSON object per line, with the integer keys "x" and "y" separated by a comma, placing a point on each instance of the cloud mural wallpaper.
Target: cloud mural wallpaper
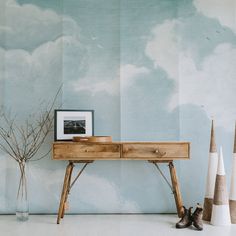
{"x": 151, "y": 70}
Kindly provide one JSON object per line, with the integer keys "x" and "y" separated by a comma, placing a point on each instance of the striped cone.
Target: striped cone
{"x": 211, "y": 177}
{"x": 220, "y": 209}
{"x": 232, "y": 196}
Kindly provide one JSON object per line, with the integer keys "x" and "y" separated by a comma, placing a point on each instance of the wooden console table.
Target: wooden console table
{"x": 154, "y": 152}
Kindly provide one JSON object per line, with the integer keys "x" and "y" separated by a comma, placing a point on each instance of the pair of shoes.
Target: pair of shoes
{"x": 189, "y": 219}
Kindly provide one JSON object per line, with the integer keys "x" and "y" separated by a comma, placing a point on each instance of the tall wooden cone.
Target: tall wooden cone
{"x": 232, "y": 196}
{"x": 220, "y": 208}
{"x": 211, "y": 177}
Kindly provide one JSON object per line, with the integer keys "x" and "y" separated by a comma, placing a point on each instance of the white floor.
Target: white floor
{"x": 104, "y": 225}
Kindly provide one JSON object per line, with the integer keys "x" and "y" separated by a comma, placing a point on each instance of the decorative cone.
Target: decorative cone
{"x": 220, "y": 209}
{"x": 211, "y": 177}
{"x": 232, "y": 196}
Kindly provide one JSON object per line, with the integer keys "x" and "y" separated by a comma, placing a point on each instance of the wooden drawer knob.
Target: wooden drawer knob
{"x": 159, "y": 153}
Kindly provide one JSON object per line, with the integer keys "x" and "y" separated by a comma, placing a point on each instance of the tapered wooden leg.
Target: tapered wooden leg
{"x": 176, "y": 189}
{"x": 64, "y": 191}
{"x": 67, "y": 191}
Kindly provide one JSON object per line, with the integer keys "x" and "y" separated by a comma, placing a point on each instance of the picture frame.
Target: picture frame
{"x": 70, "y": 123}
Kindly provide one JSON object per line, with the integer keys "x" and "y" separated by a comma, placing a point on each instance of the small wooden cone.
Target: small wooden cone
{"x": 220, "y": 209}
{"x": 232, "y": 196}
{"x": 211, "y": 177}
{"x": 213, "y": 148}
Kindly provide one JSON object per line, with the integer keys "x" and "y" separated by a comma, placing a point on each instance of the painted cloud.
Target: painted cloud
{"x": 27, "y": 26}
{"x": 33, "y": 49}
{"x": 223, "y": 11}
{"x": 210, "y": 85}
{"x": 94, "y": 86}
{"x": 126, "y": 77}
{"x": 109, "y": 196}
{"x": 162, "y": 47}
{"x": 129, "y": 73}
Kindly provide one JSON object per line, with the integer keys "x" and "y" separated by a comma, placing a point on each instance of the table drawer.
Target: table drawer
{"x": 153, "y": 151}
{"x": 88, "y": 151}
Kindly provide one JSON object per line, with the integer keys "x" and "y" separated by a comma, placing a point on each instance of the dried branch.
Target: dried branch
{"x": 23, "y": 141}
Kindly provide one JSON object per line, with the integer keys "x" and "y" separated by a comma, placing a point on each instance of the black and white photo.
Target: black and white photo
{"x": 70, "y": 123}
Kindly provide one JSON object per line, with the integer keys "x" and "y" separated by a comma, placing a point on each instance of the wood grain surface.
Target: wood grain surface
{"x": 121, "y": 150}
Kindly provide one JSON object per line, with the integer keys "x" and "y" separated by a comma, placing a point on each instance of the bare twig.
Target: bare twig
{"x": 23, "y": 142}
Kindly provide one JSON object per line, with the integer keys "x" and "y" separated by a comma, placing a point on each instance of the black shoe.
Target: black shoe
{"x": 186, "y": 219}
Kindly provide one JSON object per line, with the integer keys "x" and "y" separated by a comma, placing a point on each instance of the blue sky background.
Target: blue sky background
{"x": 156, "y": 70}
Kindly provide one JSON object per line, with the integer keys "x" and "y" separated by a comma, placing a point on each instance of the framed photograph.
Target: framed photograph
{"x": 70, "y": 123}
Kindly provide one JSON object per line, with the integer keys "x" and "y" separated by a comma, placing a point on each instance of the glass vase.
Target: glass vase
{"x": 22, "y": 205}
